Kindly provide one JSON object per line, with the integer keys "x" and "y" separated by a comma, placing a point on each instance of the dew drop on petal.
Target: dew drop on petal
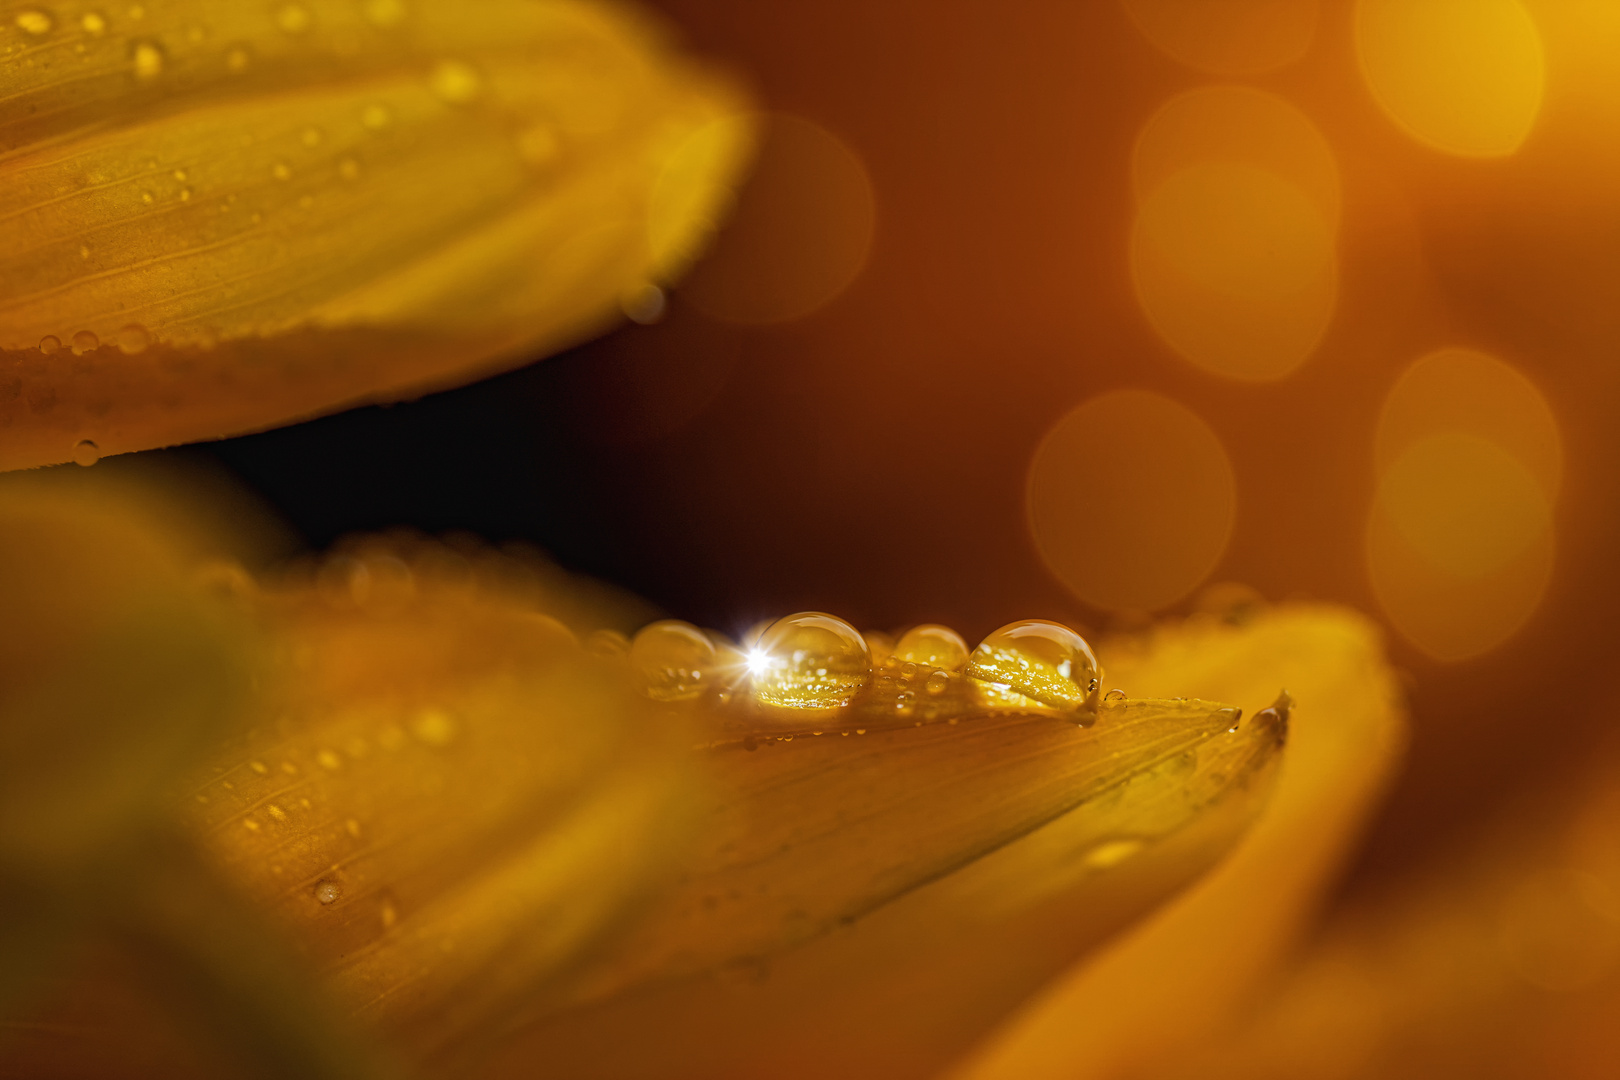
{"x": 133, "y": 339}
{"x": 809, "y": 661}
{"x": 936, "y": 682}
{"x": 455, "y": 82}
{"x": 147, "y": 59}
{"x": 85, "y": 341}
{"x": 86, "y": 453}
{"x": 34, "y": 22}
{"x": 327, "y": 891}
{"x": 1114, "y": 695}
{"x": 1041, "y": 660}
{"x": 294, "y": 18}
{"x": 49, "y": 344}
{"x": 672, "y": 660}
{"x": 937, "y": 646}
{"x": 94, "y": 23}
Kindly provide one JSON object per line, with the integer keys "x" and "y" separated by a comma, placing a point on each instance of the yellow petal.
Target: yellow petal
{"x": 1179, "y": 976}
{"x": 898, "y": 987}
{"x": 223, "y": 217}
{"x": 447, "y": 799}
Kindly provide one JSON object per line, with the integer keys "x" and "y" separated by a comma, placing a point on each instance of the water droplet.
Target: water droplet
{"x": 237, "y": 58}
{"x": 937, "y": 646}
{"x": 311, "y": 137}
{"x": 294, "y": 18}
{"x": 93, "y": 23}
{"x": 435, "y": 727}
{"x": 1041, "y": 660}
{"x": 147, "y": 58}
{"x": 276, "y": 812}
{"x": 281, "y": 171}
{"x": 352, "y": 827}
{"x": 936, "y": 682}
{"x": 185, "y": 194}
{"x": 1114, "y": 695}
{"x": 86, "y": 453}
{"x": 349, "y": 168}
{"x": 455, "y": 83}
{"x": 85, "y": 341}
{"x": 809, "y": 661}
{"x": 672, "y": 660}
{"x": 148, "y": 198}
{"x": 84, "y": 251}
{"x": 327, "y": 891}
{"x": 133, "y": 339}
{"x": 34, "y": 22}
{"x": 385, "y": 13}
{"x": 608, "y": 644}
{"x": 375, "y": 117}
{"x": 643, "y": 305}
{"x": 49, "y": 344}
{"x": 259, "y": 767}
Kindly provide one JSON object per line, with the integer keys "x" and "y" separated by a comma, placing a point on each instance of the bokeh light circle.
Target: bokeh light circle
{"x": 1233, "y": 249}
{"x": 799, "y": 234}
{"x": 1463, "y": 76}
{"x": 1228, "y": 37}
{"x": 1130, "y": 500}
{"x": 1460, "y": 539}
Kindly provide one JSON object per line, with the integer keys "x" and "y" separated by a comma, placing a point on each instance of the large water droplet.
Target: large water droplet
{"x": 1041, "y": 660}
{"x": 147, "y": 59}
{"x": 455, "y": 83}
{"x": 327, "y": 891}
{"x": 937, "y": 646}
{"x": 49, "y": 344}
{"x": 34, "y": 22}
{"x": 672, "y": 660}
{"x": 133, "y": 339}
{"x": 86, "y": 453}
{"x": 809, "y": 661}
{"x": 85, "y": 341}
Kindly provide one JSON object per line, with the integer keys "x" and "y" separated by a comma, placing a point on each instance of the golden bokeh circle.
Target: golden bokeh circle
{"x": 1130, "y": 500}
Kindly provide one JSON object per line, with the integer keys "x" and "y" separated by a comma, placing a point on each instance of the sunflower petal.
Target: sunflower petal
{"x": 224, "y": 217}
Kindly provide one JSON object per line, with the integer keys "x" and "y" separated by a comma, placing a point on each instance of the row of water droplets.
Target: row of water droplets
{"x": 817, "y": 663}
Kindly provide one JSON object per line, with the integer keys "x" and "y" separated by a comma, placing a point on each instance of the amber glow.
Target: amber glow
{"x": 1464, "y": 76}
{"x": 801, "y": 233}
{"x": 1130, "y": 500}
{"x": 1233, "y": 244}
{"x": 1460, "y": 538}
{"x": 1079, "y": 373}
{"x": 1228, "y": 37}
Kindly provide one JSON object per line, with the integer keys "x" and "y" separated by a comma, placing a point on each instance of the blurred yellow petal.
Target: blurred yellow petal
{"x": 220, "y": 217}
{"x": 1180, "y": 976}
{"x": 931, "y": 896}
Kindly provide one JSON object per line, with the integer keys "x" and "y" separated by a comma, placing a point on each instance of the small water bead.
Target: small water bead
{"x": 34, "y": 22}
{"x": 294, "y": 18}
{"x": 936, "y": 682}
{"x": 85, "y": 341}
{"x": 133, "y": 339}
{"x": 385, "y": 13}
{"x": 1041, "y": 660}
{"x": 327, "y": 891}
{"x": 50, "y": 344}
{"x": 147, "y": 59}
{"x": 455, "y": 82}
{"x": 86, "y": 453}
{"x": 934, "y": 645}
{"x": 281, "y": 171}
{"x": 811, "y": 660}
{"x": 94, "y": 23}
{"x": 1114, "y": 695}
{"x": 608, "y": 644}
{"x": 672, "y": 660}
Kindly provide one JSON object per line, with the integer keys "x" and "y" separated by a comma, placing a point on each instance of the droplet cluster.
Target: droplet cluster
{"x": 816, "y": 669}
